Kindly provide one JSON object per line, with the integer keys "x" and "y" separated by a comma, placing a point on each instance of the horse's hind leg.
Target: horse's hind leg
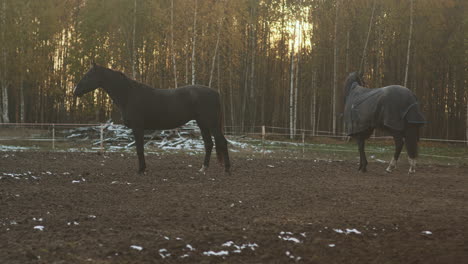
{"x": 206, "y": 135}
{"x": 138, "y": 133}
{"x": 222, "y": 149}
{"x": 398, "y": 147}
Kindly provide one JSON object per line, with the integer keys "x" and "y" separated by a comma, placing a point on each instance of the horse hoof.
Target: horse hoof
{"x": 203, "y": 169}
{"x": 228, "y": 173}
{"x": 388, "y": 170}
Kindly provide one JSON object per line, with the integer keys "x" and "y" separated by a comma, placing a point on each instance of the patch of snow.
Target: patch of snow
{"x": 291, "y": 256}
{"x": 426, "y": 232}
{"x": 331, "y": 245}
{"x": 287, "y": 236}
{"x": 218, "y": 254}
{"x": 39, "y": 227}
{"x": 164, "y": 253}
{"x": 347, "y": 231}
{"x": 190, "y": 247}
{"x": 139, "y": 248}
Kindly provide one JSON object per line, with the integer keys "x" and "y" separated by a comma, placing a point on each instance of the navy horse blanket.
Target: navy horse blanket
{"x": 391, "y": 106}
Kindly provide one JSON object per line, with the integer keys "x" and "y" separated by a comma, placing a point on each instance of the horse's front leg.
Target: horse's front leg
{"x": 362, "y": 155}
{"x": 138, "y": 133}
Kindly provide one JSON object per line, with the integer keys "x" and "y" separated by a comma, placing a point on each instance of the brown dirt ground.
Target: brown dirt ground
{"x": 111, "y": 208}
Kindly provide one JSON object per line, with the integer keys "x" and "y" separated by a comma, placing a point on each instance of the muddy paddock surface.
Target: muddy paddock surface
{"x": 90, "y": 208}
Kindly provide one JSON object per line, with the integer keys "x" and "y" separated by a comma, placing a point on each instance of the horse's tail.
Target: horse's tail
{"x": 219, "y": 151}
{"x": 411, "y": 139}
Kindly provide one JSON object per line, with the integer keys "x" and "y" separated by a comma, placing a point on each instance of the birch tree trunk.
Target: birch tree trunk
{"x": 22, "y": 99}
{"x": 409, "y": 43}
{"x": 194, "y": 41}
{"x": 367, "y": 39}
{"x": 291, "y": 99}
{"x": 172, "y": 45}
{"x": 215, "y": 51}
{"x": 335, "y": 65}
{"x": 297, "y": 83}
{"x": 3, "y": 76}
{"x": 133, "y": 40}
{"x": 291, "y": 89}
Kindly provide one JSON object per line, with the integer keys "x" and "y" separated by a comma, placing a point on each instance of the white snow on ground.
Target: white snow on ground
{"x": 139, "y": 248}
{"x": 164, "y": 253}
{"x": 15, "y": 148}
{"x": 426, "y": 232}
{"x": 331, "y": 245}
{"x": 190, "y": 247}
{"x": 287, "y": 236}
{"x": 239, "y": 248}
{"x": 291, "y": 256}
{"x": 218, "y": 253}
{"x": 347, "y": 231}
{"x": 39, "y": 227}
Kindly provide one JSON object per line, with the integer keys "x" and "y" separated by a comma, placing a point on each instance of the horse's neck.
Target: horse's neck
{"x": 117, "y": 86}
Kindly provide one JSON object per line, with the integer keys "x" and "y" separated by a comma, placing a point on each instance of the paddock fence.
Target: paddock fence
{"x": 102, "y": 137}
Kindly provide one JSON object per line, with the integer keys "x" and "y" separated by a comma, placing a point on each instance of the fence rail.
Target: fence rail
{"x": 255, "y": 131}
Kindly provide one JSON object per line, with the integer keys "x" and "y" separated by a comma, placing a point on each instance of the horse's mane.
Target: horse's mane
{"x": 352, "y": 79}
{"x": 132, "y": 83}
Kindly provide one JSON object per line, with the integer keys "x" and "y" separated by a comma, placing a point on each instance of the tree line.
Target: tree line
{"x": 279, "y": 63}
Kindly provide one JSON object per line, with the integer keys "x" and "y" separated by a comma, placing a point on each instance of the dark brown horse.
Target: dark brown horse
{"x": 393, "y": 108}
{"x": 144, "y": 107}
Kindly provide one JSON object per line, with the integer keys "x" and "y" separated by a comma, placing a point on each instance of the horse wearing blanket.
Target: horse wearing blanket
{"x": 392, "y": 108}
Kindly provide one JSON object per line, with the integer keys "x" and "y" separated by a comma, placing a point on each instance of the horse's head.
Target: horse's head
{"x": 354, "y": 77}
{"x": 90, "y": 81}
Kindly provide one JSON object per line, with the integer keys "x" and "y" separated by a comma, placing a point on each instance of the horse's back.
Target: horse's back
{"x": 391, "y": 106}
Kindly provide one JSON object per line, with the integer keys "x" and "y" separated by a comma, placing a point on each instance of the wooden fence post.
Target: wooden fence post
{"x": 53, "y": 136}
{"x": 102, "y": 138}
{"x": 263, "y": 141}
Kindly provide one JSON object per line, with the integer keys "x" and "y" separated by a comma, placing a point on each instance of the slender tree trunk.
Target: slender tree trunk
{"x": 253, "y": 46}
{"x": 367, "y": 39}
{"x": 409, "y": 43}
{"x": 466, "y": 121}
{"x": 335, "y": 68}
{"x": 174, "y": 65}
{"x": 22, "y": 110}
{"x": 3, "y": 76}
{"x": 296, "y": 86}
{"x": 133, "y": 40}
{"x": 215, "y": 51}
{"x": 194, "y": 41}
{"x": 313, "y": 105}
{"x": 291, "y": 89}
{"x": 291, "y": 98}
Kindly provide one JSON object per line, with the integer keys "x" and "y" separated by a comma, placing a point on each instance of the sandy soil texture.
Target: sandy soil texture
{"x": 90, "y": 208}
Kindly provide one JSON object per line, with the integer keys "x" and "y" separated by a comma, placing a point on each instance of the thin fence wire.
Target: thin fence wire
{"x": 256, "y": 131}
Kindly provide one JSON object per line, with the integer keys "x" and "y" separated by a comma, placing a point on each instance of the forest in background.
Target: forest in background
{"x": 279, "y": 63}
